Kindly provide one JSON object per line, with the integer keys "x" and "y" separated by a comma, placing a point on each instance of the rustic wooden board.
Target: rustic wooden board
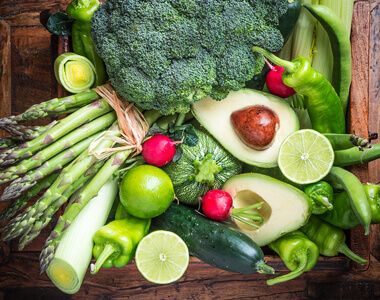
{"x": 32, "y": 51}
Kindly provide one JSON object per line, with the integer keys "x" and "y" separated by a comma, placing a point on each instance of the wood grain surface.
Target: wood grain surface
{"x": 27, "y": 53}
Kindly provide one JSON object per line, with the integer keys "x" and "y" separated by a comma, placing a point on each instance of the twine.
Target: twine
{"x": 132, "y": 126}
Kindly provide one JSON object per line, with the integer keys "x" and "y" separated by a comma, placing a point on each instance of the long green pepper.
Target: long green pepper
{"x": 82, "y": 11}
{"x": 322, "y": 102}
{"x": 356, "y": 193}
{"x": 297, "y": 252}
{"x": 329, "y": 239}
{"x": 343, "y": 216}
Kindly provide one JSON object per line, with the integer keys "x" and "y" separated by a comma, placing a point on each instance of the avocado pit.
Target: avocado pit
{"x": 256, "y": 126}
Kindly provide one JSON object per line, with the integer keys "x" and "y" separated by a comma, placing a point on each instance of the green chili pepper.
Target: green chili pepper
{"x": 341, "y": 49}
{"x": 82, "y": 11}
{"x": 322, "y": 102}
{"x": 297, "y": 252}
{"x": 321, "y": 194}
{"x": 116, "y": 242}
{"x": 355, "y": 155}
{"x": 343, "y": 216}
{"x": 329, "y": 239}
{"x": 356, "y": 193}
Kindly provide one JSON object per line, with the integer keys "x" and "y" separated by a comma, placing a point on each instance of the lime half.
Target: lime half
{"x": 305, "y": 156}
{"x": 162, "y": 257}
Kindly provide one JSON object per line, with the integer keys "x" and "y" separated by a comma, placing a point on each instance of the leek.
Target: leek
{"x": 74, "y": 251}
{"x": 74, "y": 72}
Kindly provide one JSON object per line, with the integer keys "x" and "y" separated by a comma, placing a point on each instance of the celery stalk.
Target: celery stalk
{"x": 286, "y": 51}
{"x": 303, "y": 34}
{"x": 74, "y": 251}
{"x": 346, "y": 11}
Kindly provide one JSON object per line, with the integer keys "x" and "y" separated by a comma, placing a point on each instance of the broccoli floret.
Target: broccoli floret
{"x": 167, "y": 54}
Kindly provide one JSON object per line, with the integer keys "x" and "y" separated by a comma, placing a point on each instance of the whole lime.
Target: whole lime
{"x": 146, "y": 191}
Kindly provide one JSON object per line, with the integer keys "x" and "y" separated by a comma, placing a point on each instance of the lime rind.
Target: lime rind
{"x": 162, "y": 257}
{"x": 305, "y": 156}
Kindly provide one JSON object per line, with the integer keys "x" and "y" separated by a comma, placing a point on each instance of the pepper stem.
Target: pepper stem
{"x": 342, "y": 248}
{"x": 302, "y": 263}
{"x": 324, "y": 201}
{"x": 289, "y": 66}
{"x": 262, "y": 268}
{"x": 107, "y": 251}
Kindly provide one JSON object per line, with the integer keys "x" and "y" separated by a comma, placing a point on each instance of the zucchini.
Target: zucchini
{"x": 201, "y": 168}
{"x": 213, "y": 242}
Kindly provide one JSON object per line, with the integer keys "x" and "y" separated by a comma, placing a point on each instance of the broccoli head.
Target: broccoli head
{"x": 167, "y": 54}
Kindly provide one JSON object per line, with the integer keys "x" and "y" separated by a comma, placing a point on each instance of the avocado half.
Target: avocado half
{"x": 285, "y": 207}
{"x": 214, "y": 116}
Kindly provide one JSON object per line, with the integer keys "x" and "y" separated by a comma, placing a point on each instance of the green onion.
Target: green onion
{"x": 74, "y": 251}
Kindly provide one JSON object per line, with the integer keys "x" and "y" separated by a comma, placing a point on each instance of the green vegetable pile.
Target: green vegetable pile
{"x": 161, "y": 57}
{"x": 165, "y": 55}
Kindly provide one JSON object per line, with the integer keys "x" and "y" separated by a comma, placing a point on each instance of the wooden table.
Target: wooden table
{"x": 27, "y": 53}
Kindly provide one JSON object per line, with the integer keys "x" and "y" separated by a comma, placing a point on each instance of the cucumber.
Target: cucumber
{"x": 213, "y": 242}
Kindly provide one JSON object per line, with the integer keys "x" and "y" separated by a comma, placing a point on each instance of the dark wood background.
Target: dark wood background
{"x": 27, "y": 53}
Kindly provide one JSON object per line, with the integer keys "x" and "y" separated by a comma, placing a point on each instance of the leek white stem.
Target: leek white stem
{"x": 74, "y": 251}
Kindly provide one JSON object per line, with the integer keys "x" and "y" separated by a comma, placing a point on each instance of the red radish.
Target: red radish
{"x": 158, "y": 150}
{"x": 275, "y": 84}
{"x": 218, "y": 206}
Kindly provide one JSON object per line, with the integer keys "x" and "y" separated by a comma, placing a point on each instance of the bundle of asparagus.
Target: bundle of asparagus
{"x": 58, "y": 160}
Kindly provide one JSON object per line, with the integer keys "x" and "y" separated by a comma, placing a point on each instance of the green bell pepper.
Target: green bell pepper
{"x": 344, "y": 217}
{"x": 329, "y": 239}
{"x": 297, "y": 252}
{"x": 116, "y": 242}
{"x": 321, "y": 194}
{"x": 82, "y": 11}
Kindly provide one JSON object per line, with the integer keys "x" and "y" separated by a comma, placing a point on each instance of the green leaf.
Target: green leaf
{"x": 154, "y": 129}
{"x": 185, "y": 133}
{"x": 178, "y": 154}
{"x": 60, "y": 24}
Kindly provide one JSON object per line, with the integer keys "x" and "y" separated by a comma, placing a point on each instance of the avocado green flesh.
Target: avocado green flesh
{"x": 285, "y": 208}
{"x": 215, "y": 117}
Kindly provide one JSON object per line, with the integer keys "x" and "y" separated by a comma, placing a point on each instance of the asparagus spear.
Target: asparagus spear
{"x": 81, "y": 116}
{"x": 68, "y": 176}
{"x": 34, "y": 229}
{"x": 68, "y": 140}
{"x": 90, "y": 191}
{"x": 52, "y": 107}
{"x": 13, "y": 208}
{"x": 27, "y": 133}
{"x": 8, "y": 143}
{"x": 22, "y": 184}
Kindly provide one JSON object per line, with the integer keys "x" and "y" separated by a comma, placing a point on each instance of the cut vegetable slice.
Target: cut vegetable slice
{"x": 305, "y": 156}
{"x": 74, "y": 72}
{"x": 162, "y": 257}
